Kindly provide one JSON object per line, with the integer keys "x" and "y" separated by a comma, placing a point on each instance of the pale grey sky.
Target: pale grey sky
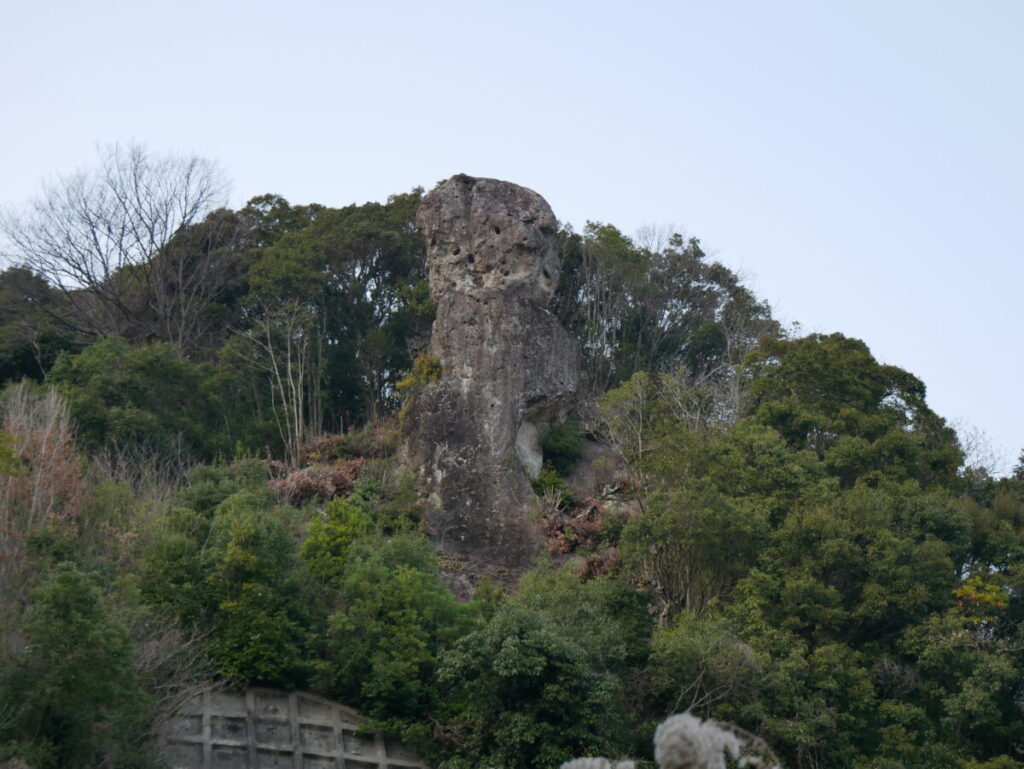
{"x": 862, "y": 163}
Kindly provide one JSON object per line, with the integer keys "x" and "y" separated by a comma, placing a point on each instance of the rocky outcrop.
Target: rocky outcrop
{"x": 509, "y": 371}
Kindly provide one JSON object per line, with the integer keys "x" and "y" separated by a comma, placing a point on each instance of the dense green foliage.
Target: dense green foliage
{"x": 563, "y": 445}
{"x": 789, "y": 540}
{"x": 72, "y": 692}
{"x": 146, "y": 395}
{"x": 30, "y": 339}
{"x": 393, "y": 617}
{"x": 817, "y": 556}
{"x": 651, "y": 306}
{"x": 545, "y": 676}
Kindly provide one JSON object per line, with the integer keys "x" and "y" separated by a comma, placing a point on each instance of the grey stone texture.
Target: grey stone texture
{"x": 271, "y": 729}
{"x": 509, "y": 371}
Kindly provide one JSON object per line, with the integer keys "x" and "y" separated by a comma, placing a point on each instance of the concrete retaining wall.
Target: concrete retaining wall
{"x": 270, "y": 729}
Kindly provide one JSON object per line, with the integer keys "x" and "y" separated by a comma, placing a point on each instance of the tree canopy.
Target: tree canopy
{"x": 200, "y": 478}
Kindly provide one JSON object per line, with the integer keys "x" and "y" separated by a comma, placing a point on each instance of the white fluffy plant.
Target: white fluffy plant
{"x": 684, "y": 741}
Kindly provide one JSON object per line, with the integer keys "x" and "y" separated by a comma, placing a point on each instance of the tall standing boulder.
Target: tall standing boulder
{"x": 508, "y": 370}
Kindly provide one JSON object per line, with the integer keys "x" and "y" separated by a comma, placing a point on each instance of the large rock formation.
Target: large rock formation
{"x": 509, "y": 371}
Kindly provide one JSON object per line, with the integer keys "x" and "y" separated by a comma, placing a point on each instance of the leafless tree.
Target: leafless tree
{"x": 285, "y": 347}
{"x": 44, "y": 488}
{"x": 101, "y": 237}
{"x": 48, "y": 486}
{"x": 172, "y": 663}
{"x": 153, "y": 473}
{"x": 981, "y": 455}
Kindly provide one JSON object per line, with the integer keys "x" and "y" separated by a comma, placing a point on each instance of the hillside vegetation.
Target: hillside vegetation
{"x": 198, "y": 480}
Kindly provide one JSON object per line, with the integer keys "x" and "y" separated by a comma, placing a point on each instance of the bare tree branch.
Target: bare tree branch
{"x": 101, "y": 236}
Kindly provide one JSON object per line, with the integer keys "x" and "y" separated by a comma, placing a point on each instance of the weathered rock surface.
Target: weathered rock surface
{"x": 509, "y": 371}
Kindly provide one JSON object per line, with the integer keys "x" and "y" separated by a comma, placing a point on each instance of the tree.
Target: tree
{"x": 330, "y": 537}
{"x": 260, "y": 615}
{"x": 861, "y": 566}
{"x": 146, "y": 395}
{"x": 76, "y": 698}
{"x": 393, "y": 618}
{"x": 41, "y": 485}
{"x": 626, "y": 415}
{"x": 269, "y": 217}
{"x": 692, "y": 546}
{"x": 96, "y": 236}
{"x": 699, "y": 662}
{"x": 652, "y": 306}
{"x": 30, "y": 339}
{"x": 545, "y": 677}
{"x": 828, "y": 395}
{"x": 284, "y": 346}
{"x": 337, "y": 307}
{"x": 231, "y": 573}
{"x": 194, "y": 277}
{"x": 369, "y": 293}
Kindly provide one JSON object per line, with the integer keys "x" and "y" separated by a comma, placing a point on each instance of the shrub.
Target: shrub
{"x": 147, "y": 395}
{"x": 394, "y": 616}
{"x": 260, "y": 614}
{"x": 544, "y": 678}
{"x": 76, "y": 699}
{"x": 209, "y": 485}
{"x": 425, "y": 369}
{"x": 321, "y": 482}
{"x": 330, "y": 536}
{"x": 563, "y": 445}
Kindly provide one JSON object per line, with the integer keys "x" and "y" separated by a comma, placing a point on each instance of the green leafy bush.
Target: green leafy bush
{"x": 71, "y": 696}
{"x": 393, "y": 617}
{"x": 260, "y": 610}
{"x": 548, "y": 482}
{"x": 234, "y": 575}
{"x": 147, "y": 395}
{"x": 544, "y": 678}
{"x": 425, "y": 369}
{"x": 209, "y": 485}
{"x": 563, "y": 445}
{"x": 330, "y": 536}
